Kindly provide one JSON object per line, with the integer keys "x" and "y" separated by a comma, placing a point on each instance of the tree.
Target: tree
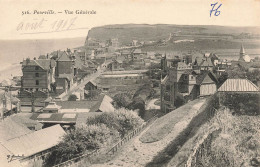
{"x": 122, "y": 99}
{"x": 72, "y": 98}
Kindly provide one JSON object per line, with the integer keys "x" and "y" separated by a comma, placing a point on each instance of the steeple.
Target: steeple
{"x": 242, "y": 50}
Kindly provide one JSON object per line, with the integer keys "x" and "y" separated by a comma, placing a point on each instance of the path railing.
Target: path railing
{"x": 77, "y": 160}
{"x": 131, "y": 135}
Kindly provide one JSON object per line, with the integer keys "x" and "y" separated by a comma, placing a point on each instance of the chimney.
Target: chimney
{"x": 47, "y": 56}
{"x": 34, "y": 58}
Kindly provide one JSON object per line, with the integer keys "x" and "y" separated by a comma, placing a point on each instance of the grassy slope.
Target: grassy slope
{"x": 165, "y": 124}
{"x": 237, "y": 144}
{"x": 204, "y": 114}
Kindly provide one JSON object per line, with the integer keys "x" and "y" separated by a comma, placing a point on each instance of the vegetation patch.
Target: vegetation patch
{"x": 242, "y": 103}
{"x": 236, "y": 145}
{"x": 101, "y": 131}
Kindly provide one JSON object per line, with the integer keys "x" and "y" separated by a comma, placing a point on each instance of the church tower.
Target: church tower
{"x": 243, "y": 56}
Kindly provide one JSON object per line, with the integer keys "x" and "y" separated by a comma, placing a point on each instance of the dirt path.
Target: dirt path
{"x": 137, "y": 154}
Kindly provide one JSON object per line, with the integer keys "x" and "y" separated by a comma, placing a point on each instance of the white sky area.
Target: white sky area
{"x": 183, "y": 12}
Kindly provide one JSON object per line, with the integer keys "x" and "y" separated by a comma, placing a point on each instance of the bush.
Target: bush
{"x": 242, "y": 103}
{"x": 122, "y": 120}
{"x": 179, "y": 101}
{"x": 82, "y": 140}
{"x": 72, "y": 98}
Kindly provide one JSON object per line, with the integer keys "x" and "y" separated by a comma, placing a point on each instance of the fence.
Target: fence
{"x": 131, "y": 135}
{"x": 77, "y": 160}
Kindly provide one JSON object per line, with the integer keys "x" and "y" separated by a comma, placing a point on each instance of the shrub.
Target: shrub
{"x": 122, "y": 120}
{"x": 81, "y": 140}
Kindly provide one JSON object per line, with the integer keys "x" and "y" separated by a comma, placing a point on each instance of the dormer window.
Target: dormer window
{"x": 36, "y": 74}
{"x": 36, "y": 68}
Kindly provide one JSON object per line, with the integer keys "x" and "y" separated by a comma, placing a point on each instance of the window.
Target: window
{"x": 36, "y": 68}
{"x": 185, "y": 77}
{"x": 36, "y": 74}
{"x": 37, "y": 82}
{"x": 191, "y": 77}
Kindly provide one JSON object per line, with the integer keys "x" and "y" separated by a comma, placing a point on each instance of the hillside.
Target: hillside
{"x": 144, "y": 32}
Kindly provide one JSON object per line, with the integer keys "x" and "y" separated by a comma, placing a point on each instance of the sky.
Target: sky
{"x": 14, "y": 25}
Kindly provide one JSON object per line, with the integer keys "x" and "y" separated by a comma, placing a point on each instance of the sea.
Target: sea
{"x": 12, "y": 52}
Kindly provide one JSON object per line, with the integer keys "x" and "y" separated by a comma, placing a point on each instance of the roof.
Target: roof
{"x": 206, "y": 63}
{"x": 35, "y": 142}
{"x": 104, "y": 105}
{"x": 64, "y": 57}
{"x": 205, "y": 77}
{"x": 54, "y": 117}
{"x": 75, "y": 104}
{"x": 238, "y": 85}
{"x": 92, "y": 82}
{"x": 137, "y": 51}
{"x": 242, "y": 50}
{"x": 24, "y": 120}
{"x": 10, "y": 129}
{"x": 43, "y": 63}
{"x": 52, "y": 106}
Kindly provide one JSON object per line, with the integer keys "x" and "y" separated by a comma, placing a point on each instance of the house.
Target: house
{"x": 127, "y": 55}
{"x": 186, "y": 82}
{"x": 203, "y": 64}
{"x": 222, "y": 66}
{"x": 206, "y": 84}
{"x": 91, "y": 85}
{"x": 104, "y": 104}
{"x": 32, "y": 146}
{"x": 65, "y": 72}
{"x": 115, "y": 65}
{"x": 38, "y": 75}
{"x": 91, "y": 90}
{"x": 137, "y": 55}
